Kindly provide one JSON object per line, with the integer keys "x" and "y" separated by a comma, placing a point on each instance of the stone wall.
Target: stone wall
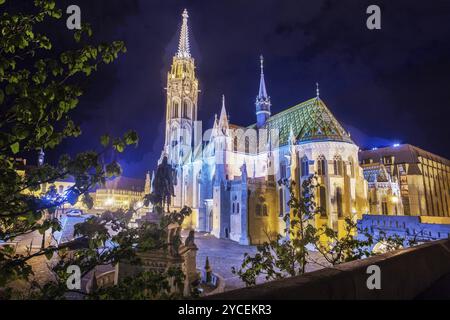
{"x": 405, "y": 274}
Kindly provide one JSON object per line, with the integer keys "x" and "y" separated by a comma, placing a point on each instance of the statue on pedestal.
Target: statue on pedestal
{"x": 163, "y": 186}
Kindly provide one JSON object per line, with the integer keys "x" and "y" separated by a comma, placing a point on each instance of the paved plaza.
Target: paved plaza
{"x": 224, "y": 254}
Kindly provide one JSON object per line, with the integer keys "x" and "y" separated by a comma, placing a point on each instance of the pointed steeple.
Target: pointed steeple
{"x": 215, "y": 130}
{"x": 184, "y": 50}
{"x": 317, "y": 90}
{"x": 223, "y": 120}
{"x": 263, "y": 103}
{"x": 262, "y": 83}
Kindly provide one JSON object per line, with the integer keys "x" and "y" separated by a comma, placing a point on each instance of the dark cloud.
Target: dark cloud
{"x": 386, "y": 86}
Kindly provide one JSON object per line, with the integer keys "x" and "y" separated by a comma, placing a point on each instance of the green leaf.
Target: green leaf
{"x": 131, "y": 137}
{"x": 104, "y": 140}
{"x": 15, "y": 147}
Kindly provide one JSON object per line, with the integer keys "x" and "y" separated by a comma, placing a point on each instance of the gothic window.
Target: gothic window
{"x": 264, "y": 210}
{"x": 321, "y": 166}
{"x": 339, "y": 202}
{"x": 235, "y": 144}
{"x": 186, "y": 110}
{"x": 282, "y": 170}
{"x": 237, "y": 208}
{"x": 281, "y": 197}
{"x": 258, "y": 210}
{"x": 305, "y": 167}
{"x": 338, "y": 165}
{"x": 233, "y": 211}
{"x": 384, "y": 208}
{"x": 323, "y": 201}
{"x": 175, "y": 108}
{"x": 247, "y": 145}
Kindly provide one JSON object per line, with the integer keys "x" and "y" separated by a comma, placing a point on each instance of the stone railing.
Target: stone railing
{"x": 404, "y": 274}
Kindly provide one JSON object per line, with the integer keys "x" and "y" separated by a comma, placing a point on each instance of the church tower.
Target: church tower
{"x": 182, "y": 99}
{"x": 263, "y": 103}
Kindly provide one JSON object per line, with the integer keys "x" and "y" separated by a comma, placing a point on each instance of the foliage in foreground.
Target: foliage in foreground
{"x": 39, "y": 90}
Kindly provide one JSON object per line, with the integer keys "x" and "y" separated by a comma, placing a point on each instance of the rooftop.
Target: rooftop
{"x": 404, "y": 153}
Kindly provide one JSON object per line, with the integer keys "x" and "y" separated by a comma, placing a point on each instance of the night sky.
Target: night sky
{"x": 387, "y": 86}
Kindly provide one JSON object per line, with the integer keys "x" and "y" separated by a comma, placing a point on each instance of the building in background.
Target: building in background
{"x": 383, "y": 192}
{"x": 119, "y": 193}
{"x": 423, "y": 179}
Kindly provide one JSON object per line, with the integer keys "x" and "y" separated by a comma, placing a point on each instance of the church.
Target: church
{"x": 229, "y": 174}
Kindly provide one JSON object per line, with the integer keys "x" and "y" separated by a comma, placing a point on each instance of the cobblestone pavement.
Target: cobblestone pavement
{"x": 224, "y": 254}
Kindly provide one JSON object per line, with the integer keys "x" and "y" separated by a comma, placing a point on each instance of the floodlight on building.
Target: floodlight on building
{"x": 109, "y": 201}
{"x": 394, "y": 199}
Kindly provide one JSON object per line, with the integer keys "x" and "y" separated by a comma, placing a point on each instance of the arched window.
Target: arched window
{"x": 175, "y": 107}
{"x": 281, "y": 197}
{"x": 258, "y": 210}
{"x": 339, "y": 202}
{"x": 264, "y": 211}
{"x": 61, "y": 189}
{"x": 186, "y": 110}
{"x": 247, "y": 145}
{"x": 283, "y": 170}
{"x": 321, "y": 166}
{"x": 305, "y": 167}
{"x": 384, "y": 208}
{"x": 338, "y": 165}
{"x": 237, "y": 207}
{"x": 323, "y": 201}
{"x": 233, "y": 211}
{"x": 235, "y": 144}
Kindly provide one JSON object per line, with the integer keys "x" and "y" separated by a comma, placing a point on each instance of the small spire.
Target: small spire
{"x": 184, "y": 50}
{"x": 262, "y": 95}
{"x": 261, "y": 57}
{"x": 223, "y": 120}
{"x": 317, "y": 90}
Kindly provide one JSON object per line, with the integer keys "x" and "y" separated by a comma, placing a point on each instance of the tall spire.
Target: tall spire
{"x": 184, "y": 50}
{"x": 317, "y": 90}
{"x": 262, "y": 84}
{"x": 263, "y": 103}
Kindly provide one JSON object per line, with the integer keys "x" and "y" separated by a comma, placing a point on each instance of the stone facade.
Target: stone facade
{"x": 423, "y": 178}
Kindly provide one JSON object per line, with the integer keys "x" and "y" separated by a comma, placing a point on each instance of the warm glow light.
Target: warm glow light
{"x": 394, "y": 199}
{"x": 109, "y": 201}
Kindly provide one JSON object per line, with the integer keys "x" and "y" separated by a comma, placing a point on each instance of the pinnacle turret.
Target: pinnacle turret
{"x": 184, "y": 50}
{"x": 263, "y": 103}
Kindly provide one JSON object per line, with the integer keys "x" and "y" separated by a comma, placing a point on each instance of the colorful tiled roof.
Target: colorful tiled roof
{"x": 309, "y": 121}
